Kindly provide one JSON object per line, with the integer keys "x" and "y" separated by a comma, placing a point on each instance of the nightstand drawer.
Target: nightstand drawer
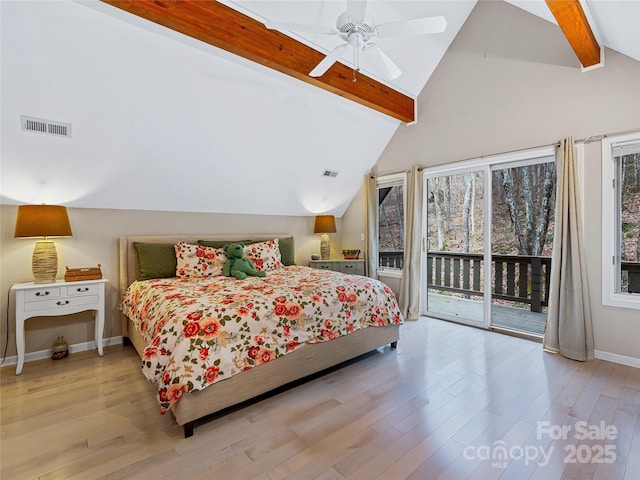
{"x": 82, "y": 290}
{"x": 60, "y": 303}
{"x": 42, "y": 293}
{"x": 324, "y": 265}
{"x": 352, "y": 268}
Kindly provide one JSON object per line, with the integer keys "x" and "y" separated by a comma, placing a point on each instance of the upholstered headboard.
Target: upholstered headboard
{"x": 130, "y": 270}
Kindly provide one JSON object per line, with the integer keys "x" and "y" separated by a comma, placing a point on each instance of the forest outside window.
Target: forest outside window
{"x": 489, "y": 227}
{"x": 391, "y": 206}
{"x": 621, "y": 220}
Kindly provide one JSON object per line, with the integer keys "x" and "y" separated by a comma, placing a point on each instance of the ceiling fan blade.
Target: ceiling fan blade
{"x": 417, "y": 26}
{"x": 298, "y": 27}
{"x": 356, "y": 9}
{"x": 329, "y": 60}
{"x": 391, "y": 68}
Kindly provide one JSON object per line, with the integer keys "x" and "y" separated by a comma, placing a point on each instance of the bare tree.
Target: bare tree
{"x": 544, "y": 209}
{"x": 447, "y": 196}
{"x": 468, "y": 180}
{"x": 529, "y": 198}
{"x": 510, "y": 200}
{"x": 473, "y": 204}
{"x": 529, "y": 207}
{"x": 435, "y": 193}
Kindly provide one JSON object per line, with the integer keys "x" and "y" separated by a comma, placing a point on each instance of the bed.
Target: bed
{"x": 262, "y": 366}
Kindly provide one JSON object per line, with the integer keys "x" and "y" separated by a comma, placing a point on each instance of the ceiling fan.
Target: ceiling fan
{"x": 358, "y": 29}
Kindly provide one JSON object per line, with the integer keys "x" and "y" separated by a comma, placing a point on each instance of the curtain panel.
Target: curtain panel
{"x": 371, "y": 225}
{"x": 569, "y": 330}
{"x": 409, "y": 300}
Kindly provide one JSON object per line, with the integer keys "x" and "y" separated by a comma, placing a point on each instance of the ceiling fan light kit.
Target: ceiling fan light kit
{"x": 358, "y": 29}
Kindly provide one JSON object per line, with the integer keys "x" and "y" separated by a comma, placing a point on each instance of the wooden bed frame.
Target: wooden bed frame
{"x": 303, "y": 362}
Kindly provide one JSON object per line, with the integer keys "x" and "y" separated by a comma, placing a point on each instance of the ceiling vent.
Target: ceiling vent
{"x": 48, "y": 127}
{"x": 330, "y": 173}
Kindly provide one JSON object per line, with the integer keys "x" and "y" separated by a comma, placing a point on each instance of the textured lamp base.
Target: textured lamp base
{"x": 44, "y": 262}
{"x": 325, "y": 248}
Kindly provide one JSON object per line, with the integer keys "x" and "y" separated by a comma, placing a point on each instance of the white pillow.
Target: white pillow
{"x": 264, "y": 255}
{"x": 198, "y": 261}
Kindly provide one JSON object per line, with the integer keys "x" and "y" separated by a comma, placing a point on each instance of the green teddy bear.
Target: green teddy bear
{"x": 238, "y": 266}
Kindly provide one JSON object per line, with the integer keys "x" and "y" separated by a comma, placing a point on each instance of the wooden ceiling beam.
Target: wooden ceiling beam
{"x": 575, "y": 26}
{"x": 225, "y": 28}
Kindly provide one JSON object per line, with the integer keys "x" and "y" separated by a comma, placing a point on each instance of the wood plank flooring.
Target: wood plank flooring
{"x": 452, "y": 402}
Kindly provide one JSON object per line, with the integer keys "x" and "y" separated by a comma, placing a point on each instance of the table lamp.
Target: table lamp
{"x": 43, "y": 221}
{"x": 324, "y": 224}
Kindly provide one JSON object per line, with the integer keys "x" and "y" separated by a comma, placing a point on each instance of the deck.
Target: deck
{"x": 513, "y": 318}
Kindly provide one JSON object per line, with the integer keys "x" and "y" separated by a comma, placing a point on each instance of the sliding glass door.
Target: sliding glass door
{"x": 489, "y": 234}
{"x": 456, "y": 246}
{"x": 522, "y": 240}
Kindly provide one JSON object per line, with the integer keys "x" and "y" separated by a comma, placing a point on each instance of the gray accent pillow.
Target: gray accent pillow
{"x": 287, "y": 251}
{"x": 156, "y": 260}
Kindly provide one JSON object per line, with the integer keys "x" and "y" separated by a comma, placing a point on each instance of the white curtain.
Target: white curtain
{"x": 569, "y": 329}
{"x": 371, "y": 225}
{"x": 409, "y": 300}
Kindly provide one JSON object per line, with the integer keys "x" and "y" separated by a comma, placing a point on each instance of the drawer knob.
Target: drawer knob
{"x": 61, "y": 303}
{"x": 42, "y": 294}
{"x": 85, "y": 289}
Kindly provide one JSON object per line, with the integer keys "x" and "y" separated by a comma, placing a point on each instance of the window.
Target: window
{"x": 621, "y": 221}
{"x": 390, "y": 194}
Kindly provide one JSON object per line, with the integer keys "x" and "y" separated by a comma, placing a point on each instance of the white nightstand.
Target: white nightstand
{"x": 59, "y": 298}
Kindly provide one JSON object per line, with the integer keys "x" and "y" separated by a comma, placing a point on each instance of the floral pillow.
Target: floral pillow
{"x": 198, "y": 260}
{"x": 264, "y": 255}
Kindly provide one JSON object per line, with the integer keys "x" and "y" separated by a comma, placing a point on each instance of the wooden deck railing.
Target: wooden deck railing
{"x": 391, "y": 259}
{"x": 633, "y": 275}
{"x": 516, "y": 278}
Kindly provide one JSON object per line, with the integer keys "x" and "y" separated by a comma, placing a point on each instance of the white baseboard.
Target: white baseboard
{"x": 81, "y": 347}
{"x": 615, "y": 358}
{"x": 78, "y": 347}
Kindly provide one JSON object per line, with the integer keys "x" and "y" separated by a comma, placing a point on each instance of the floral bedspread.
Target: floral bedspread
{"x": 203, "y": 330}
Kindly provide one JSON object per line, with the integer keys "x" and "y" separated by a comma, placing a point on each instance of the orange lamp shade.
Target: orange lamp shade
{"x": 325, "y": 224}
{"x": 42, "y": 221}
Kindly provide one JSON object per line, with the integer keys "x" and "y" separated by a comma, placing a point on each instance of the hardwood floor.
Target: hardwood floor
{"x": 452, "y": 402}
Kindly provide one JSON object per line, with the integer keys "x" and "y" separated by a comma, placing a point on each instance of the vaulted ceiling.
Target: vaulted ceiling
{"x": 162, "y": 121}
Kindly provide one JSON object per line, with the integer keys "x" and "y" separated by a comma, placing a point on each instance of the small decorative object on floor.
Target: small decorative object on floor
{"x": 350, "y": 254}
{"x": 60, "y": 349}
{"x": 79, "y": 274}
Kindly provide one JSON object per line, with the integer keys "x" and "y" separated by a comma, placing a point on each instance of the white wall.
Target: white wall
{"x": 510, "y": 81}
{"x": 95, "y": 240}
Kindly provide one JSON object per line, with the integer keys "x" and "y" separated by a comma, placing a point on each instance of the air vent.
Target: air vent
{"x": 330, "y": 173}
{"x": 48, "y": 127}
